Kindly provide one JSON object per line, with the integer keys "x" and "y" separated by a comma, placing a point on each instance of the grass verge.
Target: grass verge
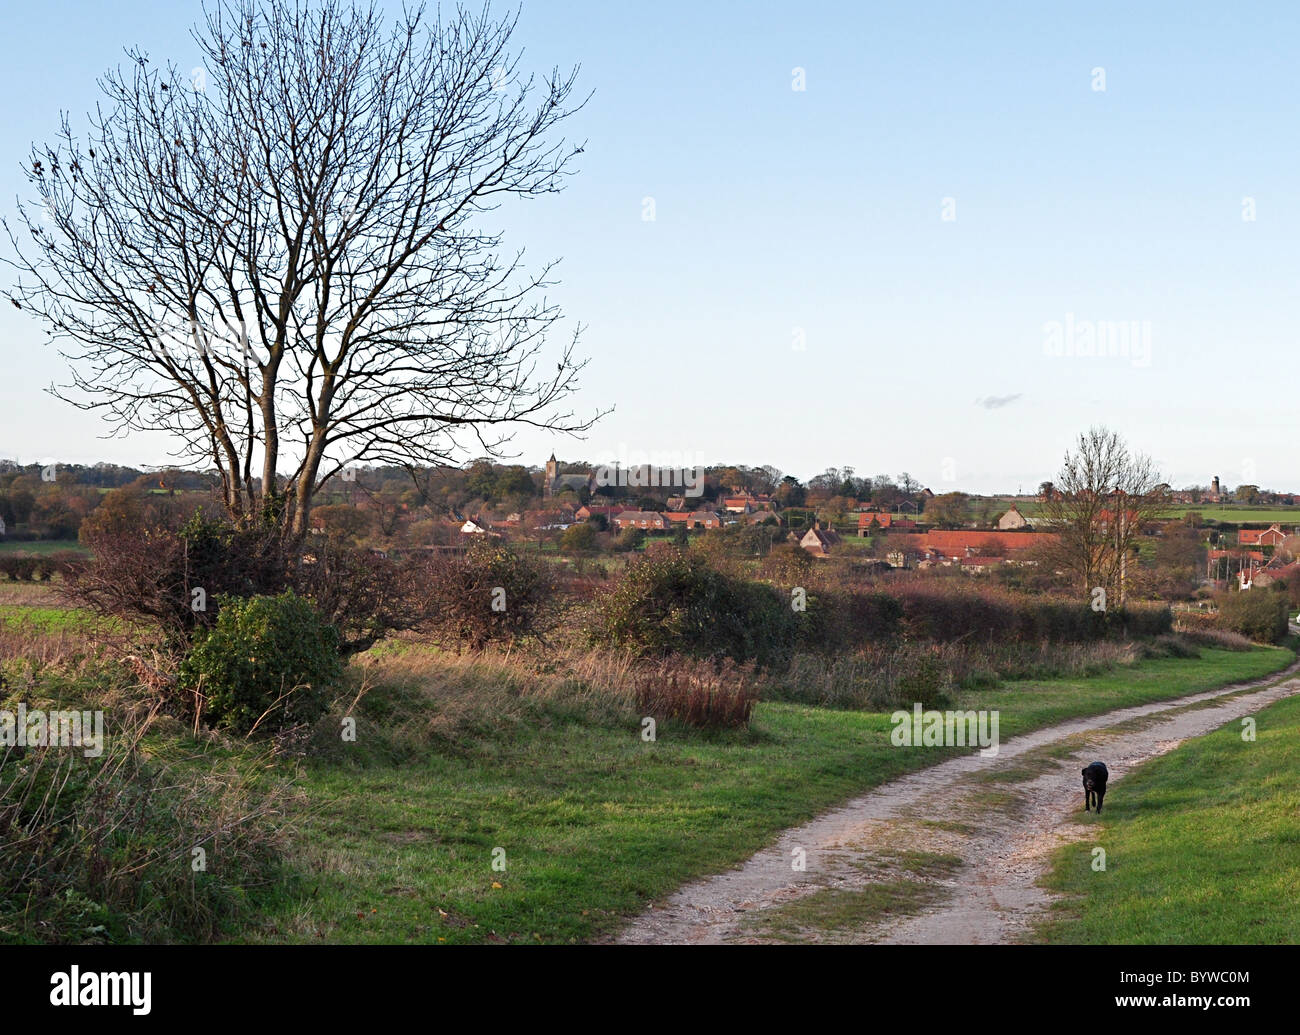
{"x": 1203, "y": 847}
{"x": 592, "y": 823}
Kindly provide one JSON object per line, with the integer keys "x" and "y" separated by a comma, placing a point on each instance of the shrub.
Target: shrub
{"x": 265, "y": 664}
{"x": 361, "y": 594}
{"x": 836, "y": 621}
{"x": 788, "y": 563}
{"x": 669, "y": 601}
{"x": 19, "y": 567}
{"x": 1145, "y": 620}
{"x": 630, "y": 539}
{"x": 149, "y": 572}
{"x": 1260, "y": 614}
{"x": 490, "y": 593}
{"x": 946, "y": 610}
{"x": 578, "y": 539}
{"x": 1201, "y": 634}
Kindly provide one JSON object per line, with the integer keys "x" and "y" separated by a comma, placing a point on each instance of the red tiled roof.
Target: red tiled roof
{"x": 640, "y": 518}
{"x": 1248, "y": 555}
{"x": 959, "y": 543}
{"x": 884, "y": 520}
{"x": 1255, "y": 536}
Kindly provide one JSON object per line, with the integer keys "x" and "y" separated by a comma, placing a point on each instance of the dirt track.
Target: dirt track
{"x": 968, "y": 838}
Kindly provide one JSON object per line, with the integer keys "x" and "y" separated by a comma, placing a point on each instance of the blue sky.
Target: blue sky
{"x": 821, "y": 210}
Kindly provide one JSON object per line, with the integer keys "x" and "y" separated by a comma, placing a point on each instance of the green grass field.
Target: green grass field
{"x": 1242, "y": 515}
{"x": 1231, "y": 514}
{"x": 49, "y": 619}
{"x": 1202, "y": 847}
{"x": 595, "y": 823}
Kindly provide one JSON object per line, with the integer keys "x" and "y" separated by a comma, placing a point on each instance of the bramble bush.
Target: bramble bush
{"x": 267, "y": 663}
{"x": 461, "y": 591}
{"x": 147, "y": 572}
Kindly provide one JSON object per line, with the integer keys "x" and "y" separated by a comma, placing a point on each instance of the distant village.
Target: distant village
{"x": 900, "y": 523}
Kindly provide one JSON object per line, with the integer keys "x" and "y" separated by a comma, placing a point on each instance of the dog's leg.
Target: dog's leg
{"x": 1100, "y": 796}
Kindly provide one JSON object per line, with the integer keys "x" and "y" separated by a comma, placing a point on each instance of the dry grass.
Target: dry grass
{"x": 406, "y": 695}
{"x": 33, "y": 646}
{"x": 1196, "y": 630}
{"x": 883, "y": 678}
{"x": 698, "y": 695}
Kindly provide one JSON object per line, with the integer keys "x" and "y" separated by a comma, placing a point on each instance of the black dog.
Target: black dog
{"x": 1094, "y": 784}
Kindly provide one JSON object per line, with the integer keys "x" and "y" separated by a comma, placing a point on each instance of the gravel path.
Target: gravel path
{"x": 967, "y": 839}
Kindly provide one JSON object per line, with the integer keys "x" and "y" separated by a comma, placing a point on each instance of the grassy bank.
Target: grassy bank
{"x": 594, "y": 822}
{"x": 1203, "y": 847}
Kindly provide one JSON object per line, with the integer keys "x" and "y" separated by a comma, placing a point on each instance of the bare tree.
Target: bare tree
{"x": 281, "y": 257}
{"x": 766, "y": 479}
{"x": 1102, "y": 497}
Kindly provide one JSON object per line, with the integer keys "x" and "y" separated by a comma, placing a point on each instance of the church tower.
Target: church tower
{"x": 552, "y": 472}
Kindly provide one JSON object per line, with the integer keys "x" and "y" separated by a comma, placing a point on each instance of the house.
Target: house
{"x": 955, "y": 545}
{"x": 556, "y": 519}
{"x": 1106, "y": 517}
{"x": 1257, "y": 557}
{"x": 747, "y": 503}
{"x": 703, "y": 518}
{"x": 1267, "y": 576}
{"x": 472, "y": 527}
{"x": 1271, "y": 536}
{"x": 818, "y": 541}
{"x": 592, "y": 509}
{"x": 1221, "y": 564}
{"x": 883, "y": 520}
{"x": 1012, "y": 519}
{"x": 649, "y": 520}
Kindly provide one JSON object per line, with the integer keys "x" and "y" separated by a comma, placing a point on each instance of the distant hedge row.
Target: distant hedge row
{"x": 675, "y": 601}
{"x": 31, "y": 568}
{"x": 946, "y": 610}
